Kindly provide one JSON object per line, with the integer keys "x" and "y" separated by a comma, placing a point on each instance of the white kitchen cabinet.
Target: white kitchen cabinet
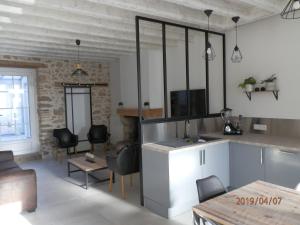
{"x": 169, "y": 177}
{"x": 216, "y": 162}
{"x": 184, "y": 169}
{"x": 246, "y": 164}
{"x": 282, "y": 167}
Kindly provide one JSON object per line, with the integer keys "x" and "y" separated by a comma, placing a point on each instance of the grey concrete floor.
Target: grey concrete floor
{"x": 62, "y": 202}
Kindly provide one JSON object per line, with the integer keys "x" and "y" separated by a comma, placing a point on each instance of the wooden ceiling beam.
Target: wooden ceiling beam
{"x": 72, "y": 54}
{"x": 19, "y": 64}
{"x": 47, "y": 55}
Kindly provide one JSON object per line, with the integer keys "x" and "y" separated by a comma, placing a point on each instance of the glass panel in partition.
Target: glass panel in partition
{"x": 176, "y": 72}
{"x": 216, "y": 89}
{"x": 151, "y": 57}
{"x": 197, "y": 73}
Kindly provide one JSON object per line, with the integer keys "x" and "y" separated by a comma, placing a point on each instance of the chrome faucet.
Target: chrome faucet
{"x": 186, "y": 129}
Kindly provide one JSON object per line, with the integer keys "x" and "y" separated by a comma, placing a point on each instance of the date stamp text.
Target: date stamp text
{"x": 258, "y": 200}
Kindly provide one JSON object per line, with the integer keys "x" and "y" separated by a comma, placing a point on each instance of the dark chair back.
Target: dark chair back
{"x": 126, "y": 161}
{"x": 98, "y": 134}
{"x": 65, "y": 138}
{"x": 209, "y": 187}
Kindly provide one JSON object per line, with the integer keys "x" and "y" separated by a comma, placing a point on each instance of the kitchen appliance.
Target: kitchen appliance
{"x": 229, "y": 128}
{"x": 197, "y": 103}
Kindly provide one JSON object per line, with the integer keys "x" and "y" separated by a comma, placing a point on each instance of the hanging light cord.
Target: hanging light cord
{"x": 208, "y": 24}
{"x": 236, "y": 34}
{"x": 77, "y": 54}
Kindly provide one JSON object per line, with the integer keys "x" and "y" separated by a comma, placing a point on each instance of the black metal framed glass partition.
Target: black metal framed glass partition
{"x": 174, "y": 75}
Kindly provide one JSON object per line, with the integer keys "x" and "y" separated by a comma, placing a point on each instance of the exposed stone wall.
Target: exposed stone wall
{"x": 50, "y": 94}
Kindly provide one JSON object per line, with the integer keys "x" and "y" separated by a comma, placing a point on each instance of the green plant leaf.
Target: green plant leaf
{"x": 249, "y": 80}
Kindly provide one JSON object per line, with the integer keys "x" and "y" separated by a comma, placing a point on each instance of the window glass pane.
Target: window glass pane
{"x": 151, "y": 58}
{"x": 6, "y": 101}
{"x": 6, "y": 83}
{"x": 216, "y": 91}
{"x": 197, "y": 74}
{"x": 14, "y": 108}
{"x": 176, "y": 71}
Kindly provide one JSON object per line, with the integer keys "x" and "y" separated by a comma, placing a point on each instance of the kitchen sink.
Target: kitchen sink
{"x": 176, "y": 143}
{"x": 201, "y": 139}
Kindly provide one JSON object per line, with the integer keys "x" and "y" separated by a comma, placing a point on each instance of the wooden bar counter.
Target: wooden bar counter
{"x": 258, "y": 203}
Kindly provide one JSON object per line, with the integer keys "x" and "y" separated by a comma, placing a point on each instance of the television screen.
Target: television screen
{"x": 179, "y": 106}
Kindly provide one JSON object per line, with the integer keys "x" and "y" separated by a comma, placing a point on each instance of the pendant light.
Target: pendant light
{"x": 292, "y": 10}
{"x": 236, "y": 56}
{"x": 209, "y": 52}
{"x": 78, "y": 71}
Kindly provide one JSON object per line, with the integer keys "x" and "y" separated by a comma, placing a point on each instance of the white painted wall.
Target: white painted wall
{"x": 268, "y": 46}
{"x": 116, "y": 127}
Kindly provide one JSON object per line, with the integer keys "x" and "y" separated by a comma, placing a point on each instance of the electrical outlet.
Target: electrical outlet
{"x": 261, "y": 127}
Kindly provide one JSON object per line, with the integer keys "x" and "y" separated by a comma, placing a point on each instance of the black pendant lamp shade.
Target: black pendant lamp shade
{"x": 292, "y": 10}
{"x": 209, "y": 52}
{"x": 236, "y": 56}
{"x": 78, "y": 71}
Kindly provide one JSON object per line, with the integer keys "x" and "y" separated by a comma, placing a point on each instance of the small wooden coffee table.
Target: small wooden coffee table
{"x": 87, "y": 168}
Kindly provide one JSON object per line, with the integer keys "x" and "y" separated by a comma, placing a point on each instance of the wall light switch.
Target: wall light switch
{"x": 261, "y": 127}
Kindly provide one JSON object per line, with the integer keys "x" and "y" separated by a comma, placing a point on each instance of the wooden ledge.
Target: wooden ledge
{"x": 134, "y": 112}
{"x": 19, "y": 64}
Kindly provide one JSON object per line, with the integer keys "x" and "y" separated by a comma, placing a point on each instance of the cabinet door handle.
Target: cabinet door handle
{"x": 203, "y": 157}
{"x": 200, "y": 157}
{"x": 261, "y": 156}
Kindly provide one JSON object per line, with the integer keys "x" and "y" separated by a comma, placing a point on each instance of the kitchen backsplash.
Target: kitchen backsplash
{"x": 274, "y": 127}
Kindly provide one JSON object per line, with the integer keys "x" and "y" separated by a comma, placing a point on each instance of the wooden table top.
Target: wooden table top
{"x": 258, "y": 203}
{"x": 84, "y": 165}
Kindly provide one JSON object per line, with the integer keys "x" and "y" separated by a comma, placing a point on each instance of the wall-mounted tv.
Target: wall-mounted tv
{"x": 179, "y": 106}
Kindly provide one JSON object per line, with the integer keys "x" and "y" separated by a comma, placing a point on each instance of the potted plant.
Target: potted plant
{"x": 270, "y": 83}
{"x": 147, "y": 105}
{"x": 248, "y": 84}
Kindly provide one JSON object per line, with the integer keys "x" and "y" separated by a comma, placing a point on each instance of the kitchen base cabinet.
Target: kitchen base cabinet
{"x": 169, "y": 177}
{"x": 246, "y": 164}
{"x": 169, "y": 180}
{"x": 216, "y": 162}
{"x": 282, "y": 167}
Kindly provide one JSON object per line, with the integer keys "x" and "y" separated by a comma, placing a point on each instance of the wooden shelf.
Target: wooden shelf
{"x": 275, "y": 93}
{"x": 134, "y": 112}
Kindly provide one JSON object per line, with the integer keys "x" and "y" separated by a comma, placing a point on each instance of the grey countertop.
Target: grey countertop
{"x": 266, "y": 141}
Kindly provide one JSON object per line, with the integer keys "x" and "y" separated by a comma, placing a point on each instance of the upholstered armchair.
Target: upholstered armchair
{"x": 98, "y": 134}
{"x": 123, "y": 160}
{"x": 65, "y": 138}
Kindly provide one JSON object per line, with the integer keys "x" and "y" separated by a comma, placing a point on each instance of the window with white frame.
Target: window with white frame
{"x": 14, "y": 108}
{"x": 18, "y": 112}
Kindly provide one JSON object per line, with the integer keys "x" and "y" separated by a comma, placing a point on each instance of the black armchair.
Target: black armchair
{"x": 124, "y": 160}
{"x": 98, "y": 134}
{"x": 65, "y": 139}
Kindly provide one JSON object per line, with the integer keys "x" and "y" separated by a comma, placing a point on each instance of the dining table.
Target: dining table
{"x": 258, "y": 203}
